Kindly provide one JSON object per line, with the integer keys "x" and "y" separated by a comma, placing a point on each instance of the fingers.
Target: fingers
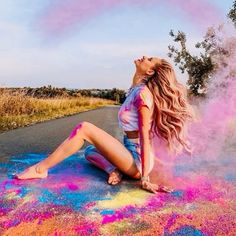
{"x": 165, "y": 189}
{"x": 156, "y": 188}
{"x": 169, "y": 190}
{"x": 150, "y": 187}
{"x": 152, "y": 190}
{"x": 162, "y": 188}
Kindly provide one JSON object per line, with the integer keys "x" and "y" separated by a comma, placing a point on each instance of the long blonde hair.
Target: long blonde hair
{"x": 171, "y": 109}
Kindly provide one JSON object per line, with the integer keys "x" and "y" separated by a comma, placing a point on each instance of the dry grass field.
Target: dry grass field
{"x": 17, "y": 110}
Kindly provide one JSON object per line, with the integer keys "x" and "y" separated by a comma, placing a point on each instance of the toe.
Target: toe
{"x": 110, "y": 180}
{"x": 114, "y": 177}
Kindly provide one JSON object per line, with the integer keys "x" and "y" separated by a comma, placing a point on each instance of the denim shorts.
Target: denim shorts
{"x": 133, "y": 146}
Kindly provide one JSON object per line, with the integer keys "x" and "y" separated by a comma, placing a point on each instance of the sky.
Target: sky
{"x": 88, "y": 44}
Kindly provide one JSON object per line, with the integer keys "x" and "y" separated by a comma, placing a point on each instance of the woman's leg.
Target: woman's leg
{"x": 97, "y": 159}
{"x": 111, "y": 148}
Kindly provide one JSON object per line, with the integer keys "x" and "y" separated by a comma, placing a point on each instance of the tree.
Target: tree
{"x": 232, "y": 13}
{"x": 199, "y": 68}
{"x": 213, "y": 53}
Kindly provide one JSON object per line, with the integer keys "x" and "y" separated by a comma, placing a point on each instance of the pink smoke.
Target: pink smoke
{"x": 201, "y": 12}
{"x": 215, "y": 128}
{"x": 213, "y": 135}
{"x": 62, "y": 15}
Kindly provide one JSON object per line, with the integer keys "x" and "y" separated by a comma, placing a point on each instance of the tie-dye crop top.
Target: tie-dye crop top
{"x": 136, "y": 97}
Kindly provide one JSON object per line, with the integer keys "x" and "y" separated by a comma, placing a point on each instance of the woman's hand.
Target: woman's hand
{"x": 154, "y": 188}
{"x": 146, "y": 185}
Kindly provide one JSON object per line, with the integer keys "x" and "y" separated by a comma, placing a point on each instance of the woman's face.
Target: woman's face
{"x": 145, "y": 65}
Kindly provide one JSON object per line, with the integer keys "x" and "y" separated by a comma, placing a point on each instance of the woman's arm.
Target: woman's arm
{"x": 144, "y": 116}
{"x": 143, "y": 102}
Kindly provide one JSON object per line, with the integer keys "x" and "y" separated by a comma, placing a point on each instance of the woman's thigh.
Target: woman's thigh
{"x": 111, "y": 148}
{"x": 134, "y": 147}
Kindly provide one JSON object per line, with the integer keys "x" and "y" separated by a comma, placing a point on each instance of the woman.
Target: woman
{"x": 155, "y": 104}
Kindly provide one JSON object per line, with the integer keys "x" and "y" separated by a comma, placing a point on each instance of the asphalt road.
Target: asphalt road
{"x": 46, "y": 136}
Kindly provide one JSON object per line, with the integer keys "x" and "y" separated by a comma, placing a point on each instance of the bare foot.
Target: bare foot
{"x": 32, "y": 173}
{"x": 114, "y": 177}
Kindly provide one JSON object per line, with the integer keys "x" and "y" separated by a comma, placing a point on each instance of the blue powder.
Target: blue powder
{"x": 46, "y": 196}
{"x": 185, "y": 230}
{"x": 178, "y": 193}
{"x": 107, "y": 212}
{"x": 23, "y": 192}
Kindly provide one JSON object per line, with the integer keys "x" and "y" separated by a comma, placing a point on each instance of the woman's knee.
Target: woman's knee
{"x": 86, "y": 128}
{"x": 83, "y": 125}
{"x": 82, "y": 129}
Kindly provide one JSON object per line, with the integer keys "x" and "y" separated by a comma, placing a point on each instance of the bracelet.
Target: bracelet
{"x": 145, "y": 178}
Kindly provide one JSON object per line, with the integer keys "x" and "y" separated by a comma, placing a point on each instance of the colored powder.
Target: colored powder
{"x": 122, "y": 199}
{"x": 55, "y": 205}
{"x": 186, "y": 231}
{"x": 60, "y": 16}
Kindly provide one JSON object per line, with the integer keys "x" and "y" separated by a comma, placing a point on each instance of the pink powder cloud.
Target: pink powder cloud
{"x": 62, "y": 15}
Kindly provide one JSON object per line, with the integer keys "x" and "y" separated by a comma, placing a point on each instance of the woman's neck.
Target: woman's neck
{"x": 137, "y": 79}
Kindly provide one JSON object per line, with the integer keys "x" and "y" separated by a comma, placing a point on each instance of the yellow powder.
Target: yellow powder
{"x": 125, "y": 198}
